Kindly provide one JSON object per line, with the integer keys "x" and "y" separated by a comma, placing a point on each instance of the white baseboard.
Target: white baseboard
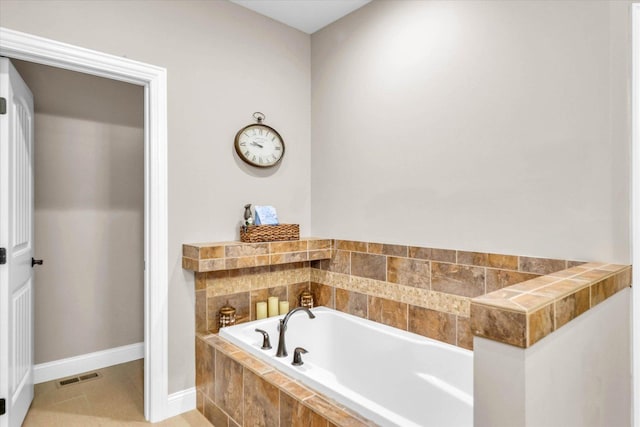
{"x": 181, "y": 401}
{"x": 44, "y": 372}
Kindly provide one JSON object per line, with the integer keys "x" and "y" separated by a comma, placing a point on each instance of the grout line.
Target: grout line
{"x": 406, "y": 326}
{"x": 386, "y": 268}
{"x": 333, "y": 296}
{"x": 279, "y": 405}
{"x": 367, "y": 305}
{"x": 243, "y": 393}
{"x": 456, "y": 337}
{"x": 526, "y": 331}
{"x": 306, "y": 398}
{"x": 485, "y": 279}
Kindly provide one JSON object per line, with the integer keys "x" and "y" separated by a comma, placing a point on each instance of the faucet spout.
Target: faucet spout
{"x": 282, "y": 348}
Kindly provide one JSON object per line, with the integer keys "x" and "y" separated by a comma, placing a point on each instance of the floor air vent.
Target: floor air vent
{"x": 79, "y": 379}
{"x": 87, "y": 377}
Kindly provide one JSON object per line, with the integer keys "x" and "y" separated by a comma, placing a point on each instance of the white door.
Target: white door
{"x": 16, "y": 237}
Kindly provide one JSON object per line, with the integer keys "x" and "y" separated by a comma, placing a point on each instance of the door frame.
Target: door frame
{"x": 635, "y": 209}
{"x": 28, "y": 47}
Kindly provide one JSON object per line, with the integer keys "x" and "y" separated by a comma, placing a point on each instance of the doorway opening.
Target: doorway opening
{"x": 27, "y": 47}
{"x": 89, "y": 226}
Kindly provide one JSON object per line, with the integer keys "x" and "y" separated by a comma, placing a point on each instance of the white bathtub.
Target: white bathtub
{"x": 392, "y": 377}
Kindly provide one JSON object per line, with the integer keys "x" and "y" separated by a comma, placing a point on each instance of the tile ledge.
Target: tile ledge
{"x": 499, "y": 302}
{"x": 234, "y": 255}
{"x": 239, "y": 243}
{"x": 604, "y": 280}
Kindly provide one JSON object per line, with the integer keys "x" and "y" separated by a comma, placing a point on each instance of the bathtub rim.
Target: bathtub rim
{"x": 410, "y": 336}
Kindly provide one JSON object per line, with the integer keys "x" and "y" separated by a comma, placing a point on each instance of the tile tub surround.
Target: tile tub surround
{"x": 422, "y": 290}
{"x": 204, "y": 257}
{"x": 443, "y": 294}
{"x": 236, "y": 389}
{"x": 523, "y": 314}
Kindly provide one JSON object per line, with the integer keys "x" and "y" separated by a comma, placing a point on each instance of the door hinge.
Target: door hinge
{"x": 3, "y": 256}
{"x": 3, "y": 105}
{"x": 3, "y": 408}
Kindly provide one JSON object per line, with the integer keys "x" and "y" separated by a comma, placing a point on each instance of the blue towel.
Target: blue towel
{"x": 266, "y": 215}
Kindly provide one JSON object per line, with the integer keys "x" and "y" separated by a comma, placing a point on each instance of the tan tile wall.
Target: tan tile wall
{"x": 422, "y": 290}
{"x": 236, "y": 389}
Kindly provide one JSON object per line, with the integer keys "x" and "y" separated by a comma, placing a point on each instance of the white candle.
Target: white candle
{"x": 273, "y": 306}
{"x": 284, "y": 307}
{"x": 261, "y": 310}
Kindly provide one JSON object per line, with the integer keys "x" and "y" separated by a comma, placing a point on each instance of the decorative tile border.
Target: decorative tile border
{"x": 523, "y": 314}
{"x": 252, "y": 279}
{"x": 425, "y": 298}
{"x": 235, "y": 388}
{"x": 204, "y": 257}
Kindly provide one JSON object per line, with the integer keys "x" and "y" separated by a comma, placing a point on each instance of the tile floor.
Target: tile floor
{"x": 115, "y": 399}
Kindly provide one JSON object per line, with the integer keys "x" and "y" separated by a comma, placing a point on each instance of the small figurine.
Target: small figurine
{"x": 248, "y": 217}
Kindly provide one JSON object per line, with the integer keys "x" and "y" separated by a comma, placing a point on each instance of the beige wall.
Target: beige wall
{"x": 89, "y": 212}
{"x": 223, "y": 62}
{"x": 480, "y": 125}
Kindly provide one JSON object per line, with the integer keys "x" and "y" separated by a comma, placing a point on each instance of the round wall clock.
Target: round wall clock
{"x": 258, "y": 144}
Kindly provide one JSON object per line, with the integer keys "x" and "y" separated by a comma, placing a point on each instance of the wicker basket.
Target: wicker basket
{"x": 269, "y": 233}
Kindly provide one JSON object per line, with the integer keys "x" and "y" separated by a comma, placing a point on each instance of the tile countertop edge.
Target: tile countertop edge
{"x": 499, "y": 316}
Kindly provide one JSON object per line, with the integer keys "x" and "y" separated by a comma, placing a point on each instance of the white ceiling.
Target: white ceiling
{"x": 306, "y": 15}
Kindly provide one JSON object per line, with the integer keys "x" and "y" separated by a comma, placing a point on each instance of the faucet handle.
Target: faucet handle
{"x": 297, "y": 356}
{"x": 266, "y": 342}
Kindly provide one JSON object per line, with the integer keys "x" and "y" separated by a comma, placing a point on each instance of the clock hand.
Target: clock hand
{"x": 255, "y": 143}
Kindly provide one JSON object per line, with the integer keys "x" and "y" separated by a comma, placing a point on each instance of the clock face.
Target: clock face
{"x": 259, "y": 145}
